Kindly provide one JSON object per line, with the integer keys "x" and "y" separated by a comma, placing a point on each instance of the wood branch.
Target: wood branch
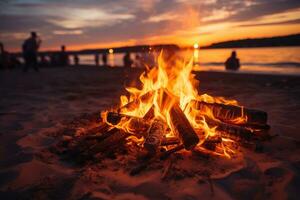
{"x": 166, "y": 154}
{"x": 167, "y": 169}
{"x": 183, "y": 128}
{"x": 142, "y": 166}
{"x": 154, "y": 136}
{"x": 228, "y": 113}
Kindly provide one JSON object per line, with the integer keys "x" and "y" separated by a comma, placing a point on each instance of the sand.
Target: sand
{"x": 32, "y": 105}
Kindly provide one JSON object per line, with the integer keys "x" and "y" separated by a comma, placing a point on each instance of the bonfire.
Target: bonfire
{"x": 167, "y": 114}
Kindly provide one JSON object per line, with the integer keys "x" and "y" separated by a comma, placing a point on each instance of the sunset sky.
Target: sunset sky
{"x": 108, "y": 23}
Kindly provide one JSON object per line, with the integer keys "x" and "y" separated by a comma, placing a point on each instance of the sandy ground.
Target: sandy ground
{"x": 34, "y": 104}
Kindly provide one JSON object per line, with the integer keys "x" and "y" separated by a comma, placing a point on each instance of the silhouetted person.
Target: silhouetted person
{"x": 232, "y": 63}
{"x": 104, "y": 59}
{"x": 127, "y": 60}
{"x": 97, "y": 59}
{"x": 76, "y": 60}
{"x": 4, "y": 57}
{"x": 63, "y": 57}
{"x": 30, "y": 51}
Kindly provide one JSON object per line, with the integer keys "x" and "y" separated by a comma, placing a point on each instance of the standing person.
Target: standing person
{"x": 76, "y": 60}
{"x": 4, "y": 58}
{"x": 30, "y": 51}
{"x": 63, "y": 56}
{"x": 127, "y": 60}
{"x": 97, "y": 59}
{"x": 232, "y": 63}
{"x": 104, "y": 59}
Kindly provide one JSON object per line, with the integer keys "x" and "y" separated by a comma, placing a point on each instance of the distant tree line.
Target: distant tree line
{"x": 290, "y": 40}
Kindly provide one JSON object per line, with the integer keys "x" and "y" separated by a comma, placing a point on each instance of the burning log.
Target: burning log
{"x": 154, "y": 137}
{"x": 136, "y": 124}
{"x": 150, "y": 114}
{"x": 230, "y": 130}
{"x": 211, "y": 144}
{"x": 169, "y": 141}
{"x": 229, "y": 113}
{"x": 183, "y": 128}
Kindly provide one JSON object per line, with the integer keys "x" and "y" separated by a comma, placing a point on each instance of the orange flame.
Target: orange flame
{"x": 175, "y": 77}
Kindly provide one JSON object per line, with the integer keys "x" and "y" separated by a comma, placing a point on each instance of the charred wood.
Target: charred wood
{"x": 136, "y": 124}
{"x": 154, "y": 136}
{"x": 111, "y": 143}
{"x": 230, "y": 130}
{"x": 183, "y": 128}
{"x": 169, "y": 141}
{"x": 228, "y": 113}
{"x": 166, "y": 154}
{"x": 211, "y": 144}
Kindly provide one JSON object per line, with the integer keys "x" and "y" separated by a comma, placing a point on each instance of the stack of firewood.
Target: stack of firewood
{"x": 108, "y": 138}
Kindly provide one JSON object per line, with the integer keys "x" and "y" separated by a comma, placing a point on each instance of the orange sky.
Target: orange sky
{"x": 80, "y": 25}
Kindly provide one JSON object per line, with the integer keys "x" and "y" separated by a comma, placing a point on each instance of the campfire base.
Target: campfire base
{"x": 173, "y": 164}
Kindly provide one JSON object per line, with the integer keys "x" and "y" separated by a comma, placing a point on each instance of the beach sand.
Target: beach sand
{"x": 32, "y": 105}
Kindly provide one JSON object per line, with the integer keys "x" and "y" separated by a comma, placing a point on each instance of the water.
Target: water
{"x": 271, "y": 60}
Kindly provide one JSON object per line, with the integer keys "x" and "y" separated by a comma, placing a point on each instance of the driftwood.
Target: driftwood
{"x": 228, "y": 113}
{"x": 183, "y": 128}
{"x": 154, "y": 136}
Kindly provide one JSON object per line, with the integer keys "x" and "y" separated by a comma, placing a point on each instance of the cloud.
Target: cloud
{"x": 296, "y": 21}
{"x": 68, "y": 32}
{"x": 218, "y": 14}
{"x": 105, "y": 21}
{"x": 80, "y": 18}
{"x": 162, "y": 17}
